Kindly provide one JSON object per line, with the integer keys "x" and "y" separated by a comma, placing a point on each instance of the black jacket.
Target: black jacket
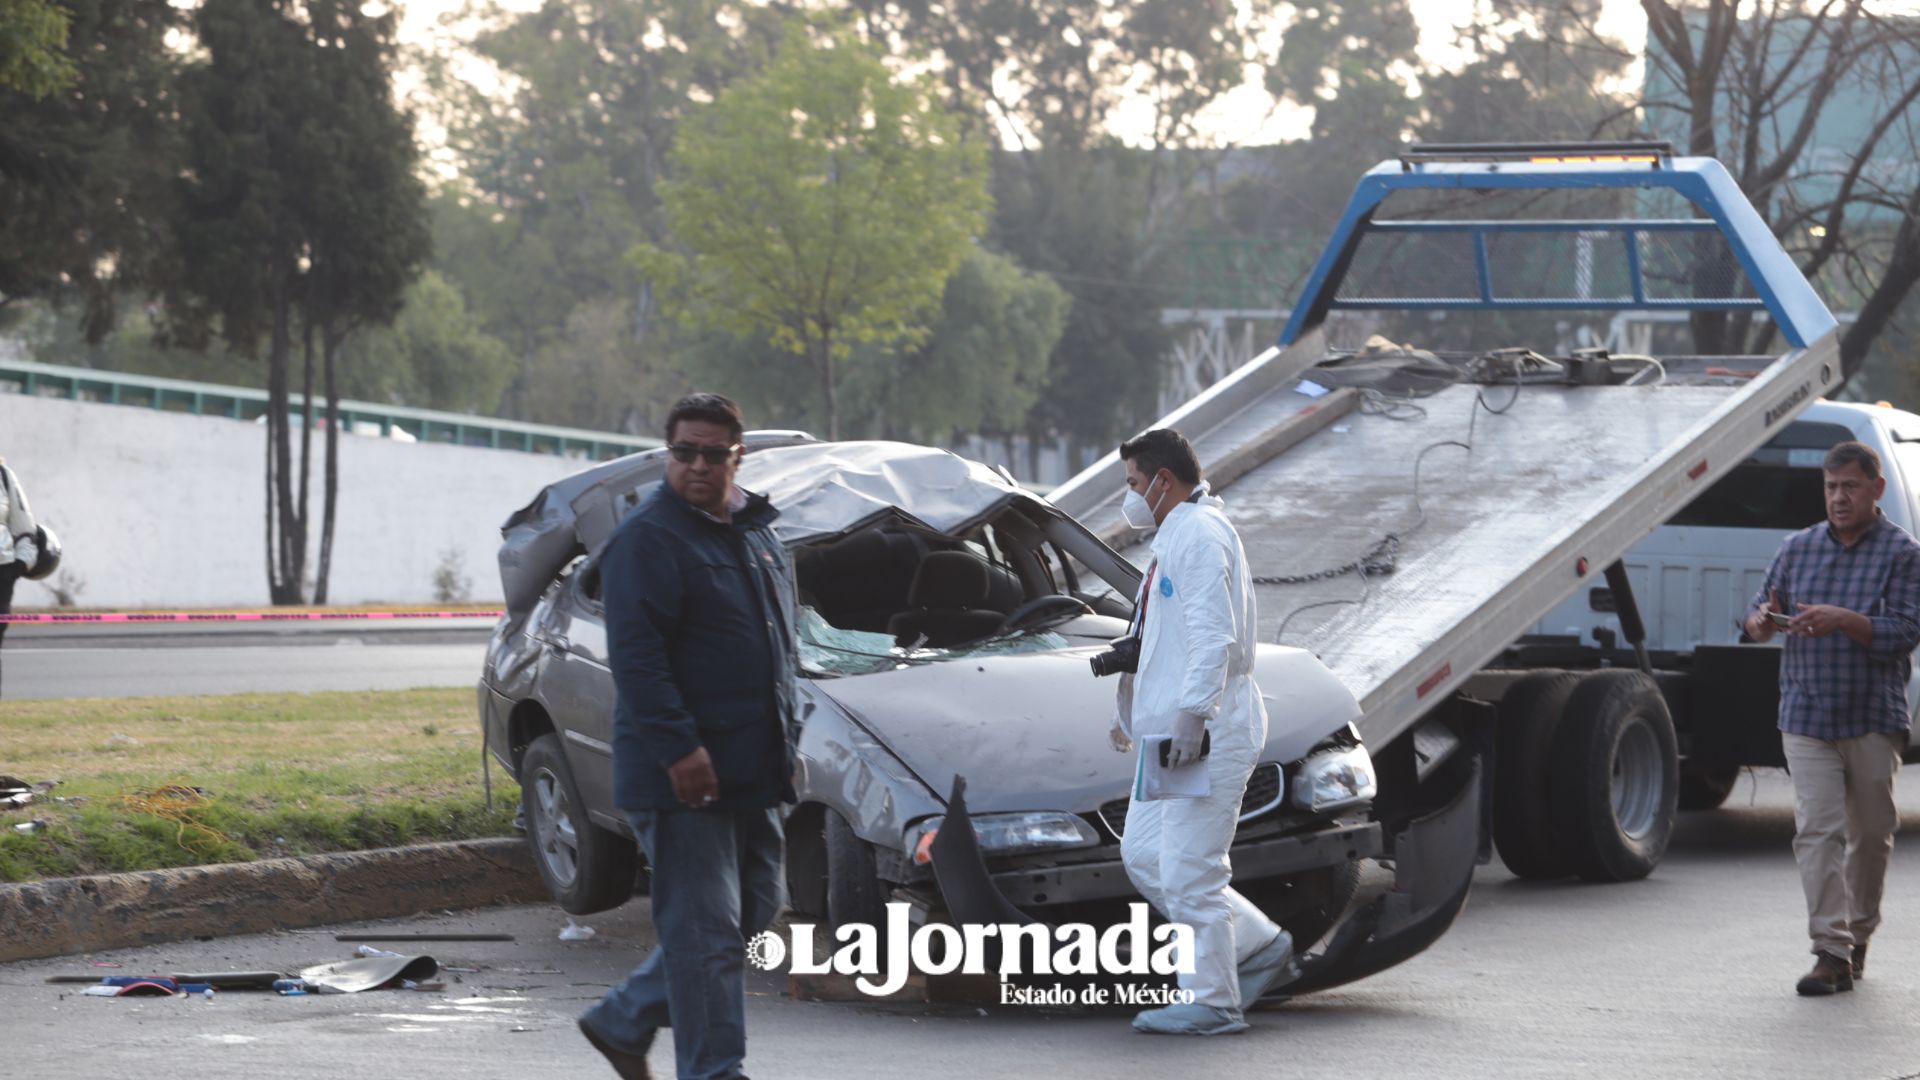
{"x": 700, "y": 637}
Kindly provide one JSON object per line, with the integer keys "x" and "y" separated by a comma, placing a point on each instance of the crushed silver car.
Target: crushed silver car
{"x": 948, "y": 617}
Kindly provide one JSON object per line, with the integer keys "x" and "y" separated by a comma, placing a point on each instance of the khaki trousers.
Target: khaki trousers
{"x": 1844, "y": 819}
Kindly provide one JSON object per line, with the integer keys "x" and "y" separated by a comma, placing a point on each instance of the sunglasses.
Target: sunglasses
{"x": 715, "y": 455}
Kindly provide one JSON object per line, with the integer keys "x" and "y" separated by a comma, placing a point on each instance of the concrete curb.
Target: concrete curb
{"x": 117, "y": 911}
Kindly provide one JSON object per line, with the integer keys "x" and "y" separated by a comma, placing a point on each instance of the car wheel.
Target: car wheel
{"x": 1530, "y": 714}
{"x": 585, "y": 867}
{"x": 854, "y": 890}
{"x": 1705, "y": 787}
{"x": 1616, "y": 776}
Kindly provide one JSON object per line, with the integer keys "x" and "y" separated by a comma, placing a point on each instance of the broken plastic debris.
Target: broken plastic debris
{"x": 368, "y": 950}
{"x": 575, "y": 932}
{"x": 1310, "y": 388}
{"x": 31, "y": 826}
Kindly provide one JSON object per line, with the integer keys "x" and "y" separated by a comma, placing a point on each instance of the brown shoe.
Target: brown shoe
{"x": 1830, "y": 975}
{"x": 1860, "y": 961}
{"x": 626, "y": 1066}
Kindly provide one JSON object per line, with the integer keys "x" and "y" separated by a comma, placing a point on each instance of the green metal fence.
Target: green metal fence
{"x": 359, "y": 417}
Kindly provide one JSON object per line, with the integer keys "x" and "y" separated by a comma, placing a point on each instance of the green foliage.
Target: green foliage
{"x": 87, "y": 168}
{"x": 600, "y": 375}
{"x": 434, "y": 356}
{"x": 1073, "y": 216}
{"x": 823, "y": 204}
{"x": 985, "y": 361}
{"x": 33, "y": 39}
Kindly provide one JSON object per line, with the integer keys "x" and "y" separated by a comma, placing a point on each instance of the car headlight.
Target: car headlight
{"x": 1008, "y": 834}
{"x": 1335, "y": 780}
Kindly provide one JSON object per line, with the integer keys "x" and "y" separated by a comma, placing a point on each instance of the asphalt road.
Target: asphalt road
{"x": 120, "y": 660}
{"x": 1688, "y": 974}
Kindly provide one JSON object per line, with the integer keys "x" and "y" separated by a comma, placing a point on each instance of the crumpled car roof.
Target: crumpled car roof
{"x": 819, "y": 488}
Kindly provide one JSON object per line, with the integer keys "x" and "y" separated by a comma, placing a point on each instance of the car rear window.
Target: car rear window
{"x": 1778, "y": 488}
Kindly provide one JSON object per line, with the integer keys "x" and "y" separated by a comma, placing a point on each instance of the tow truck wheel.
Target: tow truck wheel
{"x": 1616, "y": 776}
{"x": 584, "y": 866}
{"x": 854, "y": 891}
{"x": 1530, "y": 713}
{"x": 1705, "y": 787}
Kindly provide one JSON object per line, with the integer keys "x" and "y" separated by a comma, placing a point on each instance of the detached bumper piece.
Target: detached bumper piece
{"x": 961, "y": 870}
{"x": 1433, "y": 872}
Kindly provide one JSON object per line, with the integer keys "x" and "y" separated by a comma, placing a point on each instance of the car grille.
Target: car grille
{"x": 1265, "y": 790}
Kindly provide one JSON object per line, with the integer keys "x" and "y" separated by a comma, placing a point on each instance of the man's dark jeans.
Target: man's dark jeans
{"x": 716, "y": 883}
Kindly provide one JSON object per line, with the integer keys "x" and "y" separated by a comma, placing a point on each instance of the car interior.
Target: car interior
{"x": 937, "y": 590}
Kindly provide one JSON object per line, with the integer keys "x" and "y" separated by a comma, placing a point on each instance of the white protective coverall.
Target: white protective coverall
{"x": 1196, "y": 656}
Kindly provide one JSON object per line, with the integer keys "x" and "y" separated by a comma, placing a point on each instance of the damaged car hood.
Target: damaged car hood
{"x": 1029, "y": 732}
{"x": 820, "y": 489}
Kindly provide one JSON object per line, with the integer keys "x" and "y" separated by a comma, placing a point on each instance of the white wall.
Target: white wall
{"x": 167, "y": 510}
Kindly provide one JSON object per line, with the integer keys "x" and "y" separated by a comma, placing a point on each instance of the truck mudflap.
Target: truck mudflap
{"x": 1434, "y": 859}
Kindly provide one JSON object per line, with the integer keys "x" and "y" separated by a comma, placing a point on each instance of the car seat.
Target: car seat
{"x": 947, "y": 602}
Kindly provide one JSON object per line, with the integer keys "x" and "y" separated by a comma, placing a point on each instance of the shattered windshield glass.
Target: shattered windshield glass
{"x": 825, "y": 649}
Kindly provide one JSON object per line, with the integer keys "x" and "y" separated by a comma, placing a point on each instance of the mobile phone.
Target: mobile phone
{"x": 1785, "y": 615}
{"x": 1206, "y": 744}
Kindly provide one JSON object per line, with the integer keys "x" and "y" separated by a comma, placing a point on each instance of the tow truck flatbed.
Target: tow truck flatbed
{"x": 1556, "y": 484}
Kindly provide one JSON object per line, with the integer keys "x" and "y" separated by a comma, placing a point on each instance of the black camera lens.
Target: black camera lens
{"x": 1121, "y": 658}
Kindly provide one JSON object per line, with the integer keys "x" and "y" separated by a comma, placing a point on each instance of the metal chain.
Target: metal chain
{"x": 1380, "y": 559}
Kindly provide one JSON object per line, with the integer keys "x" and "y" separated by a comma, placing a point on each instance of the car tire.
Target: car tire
{"x": 1705, "y": 787}
{"x": 1616, "y": 776}
{"x": 585, "y": 867}
{"x": 855, "y": 893}
{"x": 1529, "y": 716}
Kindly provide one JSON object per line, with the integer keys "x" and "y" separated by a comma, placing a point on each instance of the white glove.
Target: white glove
{"x": 26, "y": 552}
{"x": 1120, "y": 736}
{"x": 1184, "y": 747}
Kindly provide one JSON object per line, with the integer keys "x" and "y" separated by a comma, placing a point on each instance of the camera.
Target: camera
{"x": 1121, "y": 658}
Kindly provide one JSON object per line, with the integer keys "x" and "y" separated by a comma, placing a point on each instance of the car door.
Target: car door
{"x": 578, "y": 688}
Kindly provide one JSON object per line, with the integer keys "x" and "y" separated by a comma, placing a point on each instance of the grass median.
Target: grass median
{"x": 183, "y": 781}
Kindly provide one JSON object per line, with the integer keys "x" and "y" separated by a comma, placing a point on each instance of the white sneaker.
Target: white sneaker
{"x": 1263, "y": 969}
{"x": 1183, "y": 1019}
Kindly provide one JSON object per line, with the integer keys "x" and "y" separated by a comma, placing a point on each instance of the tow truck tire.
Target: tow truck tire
{"x": 854, "y": 891}
{"x": 585, "y": 867}
{"x": 1529, "y": 717}
{"x": 1705, "y": 787}
{"x": 1616, "y": 776}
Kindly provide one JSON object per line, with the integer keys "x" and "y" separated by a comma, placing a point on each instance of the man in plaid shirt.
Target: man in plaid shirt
{"x": 1847, "y": 593}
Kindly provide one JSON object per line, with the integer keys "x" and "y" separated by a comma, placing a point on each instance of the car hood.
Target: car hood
{"x": 1029, "y": 731}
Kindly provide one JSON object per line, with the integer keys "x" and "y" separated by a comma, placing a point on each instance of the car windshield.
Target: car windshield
{"x": 827, "y": 650}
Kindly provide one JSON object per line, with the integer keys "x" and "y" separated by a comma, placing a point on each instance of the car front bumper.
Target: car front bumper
{"x": 1271, "y": 856}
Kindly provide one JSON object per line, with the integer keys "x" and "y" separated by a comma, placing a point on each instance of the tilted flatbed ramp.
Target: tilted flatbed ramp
{"x": 1555, "y": 485}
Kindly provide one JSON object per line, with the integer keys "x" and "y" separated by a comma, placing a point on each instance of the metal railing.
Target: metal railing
{"x": 358, "y": 417}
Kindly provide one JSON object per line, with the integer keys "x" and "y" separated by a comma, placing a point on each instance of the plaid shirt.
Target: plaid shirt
{"x": 1831, "y": 688}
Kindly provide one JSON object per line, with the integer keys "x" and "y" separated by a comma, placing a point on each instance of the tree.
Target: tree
{"x": 1073, "y": 216}
{"x": 86, "y": 170}
{"x": 434, "y": 356}
{"x": 1760, "y": 86}
{"x": 821, "y": 204}
{"x": 33, "y": 40}
{"x": 985, "y": 362}
{"x": 558, "y": 174}
{"x": 300, "y": 213}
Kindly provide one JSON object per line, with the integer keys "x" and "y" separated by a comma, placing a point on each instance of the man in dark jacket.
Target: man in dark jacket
{"x": 700, "y": 631}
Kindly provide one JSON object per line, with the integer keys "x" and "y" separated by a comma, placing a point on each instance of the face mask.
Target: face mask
{"x": 1135, "y": 509}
